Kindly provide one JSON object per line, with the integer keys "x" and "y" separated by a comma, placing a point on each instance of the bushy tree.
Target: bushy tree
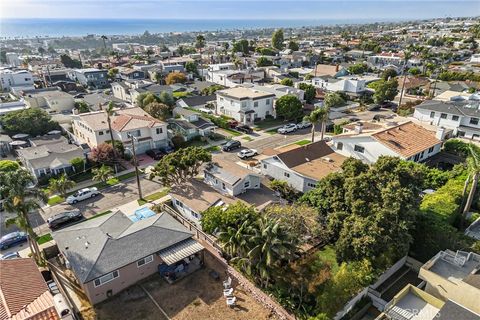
{"x": 389, "y": 74}
{"x": 264, "y": 62}
{"x": 216, "y": 219}
{"x": 68, "y": 62}
{"x": 103, "y": 153}
{"x": 82, "y": 107}
{"x": 287, "y": 82}
{"x": 277, "y": 39}
{"x": 167, "y": 98}
{"x": 241, "y": 46}
{"x": 181, "y": 165}
{"x": 60, "y": 185}
{"x": 385, "y": 91}
{"x": 191, "y": 67}
{"x": 292, "y": 45}
{"x": 289, "y": 107}
{"x": 175, "y": 77}
{"x": 358, "y": 68}
{"x": 211, "y": 89}
{"x": 310, "y": 91}
{"x": 78, "y": 164}
{"x": 285, "y": 190}
{"x": 32, "y": 121}
{"x": 333, "y": 99}
{"x": 8, "y": 165}
{"x": 158, "y": 110}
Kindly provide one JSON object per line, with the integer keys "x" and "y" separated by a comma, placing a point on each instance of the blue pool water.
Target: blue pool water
{"x": 141, "y": 214}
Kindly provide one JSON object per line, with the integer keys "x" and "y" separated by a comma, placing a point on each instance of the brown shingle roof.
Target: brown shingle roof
{"x": 23, "y": 292}
{"x": 309, "y": 152}
{"x": 407, "y": 139}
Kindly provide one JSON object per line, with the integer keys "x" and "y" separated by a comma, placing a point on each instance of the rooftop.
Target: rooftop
{"x": 244, "y": 93}
{"x": 413, "y": 304}
{"x": 228, "y": 171}
{"x": 54, "y": 155}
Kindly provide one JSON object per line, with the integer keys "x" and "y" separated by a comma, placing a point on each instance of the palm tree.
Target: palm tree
{"x": 61, "y": 185}
{"x": 102, "y": 174}
{"x": 110, "y": 111}
{"x": 474, "y": 173}
{"x": 104, "y": 37}
{"x": 319, "y": 115}
{"x": 407, "y": 56}
{"x": 21, "y": 198}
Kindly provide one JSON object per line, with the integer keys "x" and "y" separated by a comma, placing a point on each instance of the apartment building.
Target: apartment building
{"x": 10, "y": 78}
{"x": 92, "y": 78}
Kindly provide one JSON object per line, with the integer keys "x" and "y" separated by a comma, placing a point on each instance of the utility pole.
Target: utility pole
{"x": 132, "y": 139}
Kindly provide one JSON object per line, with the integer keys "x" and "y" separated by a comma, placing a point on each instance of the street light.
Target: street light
{"x": 135, "y": 163}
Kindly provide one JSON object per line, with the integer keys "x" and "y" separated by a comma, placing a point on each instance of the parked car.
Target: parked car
{"x": 10, "y": 255}
{"x": 155, "y": 154}
{"x": 82, "y": 194}
{"x": 304, "y": 124}
{"x": 64, "y": 219}
{"x": 52, "y": 285}
{"x": 291, "y": 127}
{"x": 247, "y": 153}
{"x": 231, "y": 145}
{"x": 12, "y": 239}
{"x": 244, "y": 128}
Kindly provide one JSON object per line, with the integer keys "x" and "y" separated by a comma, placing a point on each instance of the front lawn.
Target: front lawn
{"x": 247, "y": 138}
{"x": 213, "y": 149}
{"x": 302, "y": 142}
{"x": 182, "y": 94}
{"x": 268, "y": 123}
{"x": 154, "y": 196}
{"x": 100, "y": 214}
{"x": 233, "y": 132}
{"x": 44, "y": 239}
{"x": 56, "y": 199}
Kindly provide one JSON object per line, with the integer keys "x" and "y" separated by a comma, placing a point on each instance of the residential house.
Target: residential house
{"x": 130, "y": 74}
{"x": 334, "y": 71}
{"x": 368, "y": 142}
{"x": 190, "y": 124}
{"x": 12, "y": 59}
{"x": 463, "y": 117}
{"x": 24, "y": 293}
{"x": 92, "y": 128}
{"x": 244, "y": 104}
{"x": 52, "y": 99}
{"x": 301, "y": 166}
{"x": 130, "y": 90}
{"x": 386, "y": 60}
{"x": 231, "y": 78}
{"x": 50, "y": 156}
{"x": 278, "y": 90}
{"x": 92, "y": 78}
{"x": 230, "y": 178}
{"x": 222, "y": 66}
{"x": 197, "y": 102}
{"x": 20, "y": 79}
{"x": 193, "y": 197}
{"x": 110, "y": 253}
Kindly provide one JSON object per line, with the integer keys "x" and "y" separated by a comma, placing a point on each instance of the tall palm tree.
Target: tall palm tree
{"x": 104, "y": 38}
{"x": 61, "y": 185}
{"x": 109, "y": 110}
{"x": 319, "y": 115}
{"x": 21, "y": 198}
{"x": 474, "y": 173}
{"x": 407, "y": 56}
{"x": 102, "y": 174}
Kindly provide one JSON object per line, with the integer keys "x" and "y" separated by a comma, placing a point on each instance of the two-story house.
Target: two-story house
{"x": 190, "y": 124}
{"x": 51, "y": 99}
{"x": 302, "y": 167}
{"x": 9, "y": 79}
{"x": 461, "y": 117}
{"x": 131, "y": 74}
{"x": 367, "y": 142}
{"x": 245, "y": 104}
{"x": 91, "y": 77}
{"x": 230, "y": 178}
{"x": 231, "y": 78}
{"x": 92, "y": 128}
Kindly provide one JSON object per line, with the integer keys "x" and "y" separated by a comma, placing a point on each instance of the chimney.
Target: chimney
{"x": 440, "y": 134}
{"x": 358, "y": 127}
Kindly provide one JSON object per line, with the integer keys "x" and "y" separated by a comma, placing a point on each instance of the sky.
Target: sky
{"x": 238, "y": 9}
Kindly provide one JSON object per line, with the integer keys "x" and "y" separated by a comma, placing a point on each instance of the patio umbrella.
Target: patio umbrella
{"x": 20, "y": 136}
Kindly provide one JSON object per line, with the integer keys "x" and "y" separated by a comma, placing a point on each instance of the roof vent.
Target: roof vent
{"x": 87, "y": 244}
{"x": 327, "y": 159}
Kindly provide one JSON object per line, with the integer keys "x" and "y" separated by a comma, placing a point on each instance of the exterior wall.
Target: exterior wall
{"x": 373, "y": 149}
{"x": 10, "y": 79}
{"x": 120, "y": 92}
{"x": 231, "y": 107}
{"x": 96, "y": 79}
{"x": 426, "y": 154}
{"x": 277, "y": 170}
{"x": 58, "y": 103}
{"x": 186, "y": 211}
{"x": 448, "y": 122}
{"x": 128, "y": 276}
{"x": 252, "y": 180}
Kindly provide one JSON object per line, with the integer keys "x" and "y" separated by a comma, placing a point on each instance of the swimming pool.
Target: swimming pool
{"x": 142, "y": 213}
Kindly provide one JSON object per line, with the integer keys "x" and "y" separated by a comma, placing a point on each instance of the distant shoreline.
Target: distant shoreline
{"x": 32, "y": 28}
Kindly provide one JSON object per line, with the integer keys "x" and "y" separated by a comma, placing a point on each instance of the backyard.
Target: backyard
{"x": 197, "y": 296}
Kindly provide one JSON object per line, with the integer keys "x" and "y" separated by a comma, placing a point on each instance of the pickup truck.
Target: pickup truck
{"x": 82, "y": 194}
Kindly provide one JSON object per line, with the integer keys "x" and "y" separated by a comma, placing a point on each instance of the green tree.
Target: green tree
{"x": 414, "y": 71}
{"x": 20, "y": 198}
{"x": 474, "y": 173}
{"x": 181, "y": 165}
{"x": 32, "y": 121}
{"x": 61, "y": 185}
{"x": 285, "y": 190}
{"x": 200, "y": 42}
{"x": 264, "y": 62}
{"x": 277, "y": 39}
{"x": 41, "y": 51}
{"x": 82, "y": 107}
{"x": 68, "y": 62}
{"x": 211, "y": 89}
{"x": 175, "y": 77}
{"x": 319, "y": 115}
{"x": 389, "y": 74}
{"x": 241, "y": 46}
{"x": 191, "y": 67}
{"x": 292, "y": 45}
{"x": 216, "y": 219}
{"x": 358, "y": 68}
{"x": 102, "y": 174}
{"x": 78, "y": 164}
{"x": 310, "y": 91}
{"x": 289, "y": 107}
{"x": 167, "y": 98}
{"x": 112, "y": 73}
{"x": 287, "y": 82}
{"x": 8, "y": 166}
{"x": 385, "y": 91}
{"x": 158, "y": 110}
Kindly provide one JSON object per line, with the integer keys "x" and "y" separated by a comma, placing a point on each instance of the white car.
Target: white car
{"x": 303, "y": 125}
{"x": 82, "y": 194}
{"x": 247, "y": 153}
{"x": 291, "y": 127}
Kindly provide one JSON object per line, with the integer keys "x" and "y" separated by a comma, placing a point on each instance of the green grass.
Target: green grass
{"x": 327, "y": 254}
{"x": 268, "y": 123}
{"x": 55, "y": 200}
{"x": 271, "y": 131}
{"x": 247, "y": 138}
{"x": 302, "y": 142}
{"x": 44, "y": 239}
{"x": 213, "y": 148}
{"x": 181, "y": 94}
{"x": 112, "y": 181}
{"x": 100, "y": 214}
{"x": 233, "y": 132}
{"x": 154, "y": 196}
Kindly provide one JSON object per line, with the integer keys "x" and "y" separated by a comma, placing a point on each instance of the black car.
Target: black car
{"x": 231, "y": 145}
{"x": 155, "y": 154}
{"x": 245, "y": 129}
{"x": 64, "y": 219}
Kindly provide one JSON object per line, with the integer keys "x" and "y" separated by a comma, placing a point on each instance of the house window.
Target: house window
{"x": 286, "y": 174}
{"x": 106, "y": 278}
{"x": 340, "y": 145}
{"x": 267, "y": 102}
{"x": 100, "y": 133}
{"x": 474, "y": 121}
{"x": 443, "y": 116}
{"x": 223, "y": 186}
{"x": 159, "y": 130}
{"x": 432, "y": 114}
{"x": 194, "y": 214}
{"x": 358, "y": 148}
{"x": 430, "y": 150}
{"x": 417, "y": 156}
{"x": 244, "y": 104}
{"x": 179, "y": 204}
{"x": 455, "y": 118}
{"x": 311, "y": 185}
{"x": 246, "y": 184}
{"x": 144, "y": 261}
{"x": 255, "y": 104}
{"x": 264, "y": 166}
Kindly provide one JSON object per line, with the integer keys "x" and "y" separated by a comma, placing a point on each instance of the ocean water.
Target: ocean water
{"x": 26, "y": 28}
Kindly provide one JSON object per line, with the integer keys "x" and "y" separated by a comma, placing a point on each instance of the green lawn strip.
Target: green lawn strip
{"x": 327, "y": 254}
{"x": 271, "y": 131}
{"x": 247, "y": 138}
{"x": 233, "y": 132}
{"x": 55, "y": 200}
{"x": 302, "y": 142}
{"x": 154, "y": 196}
{"x": 100, "y": 214}
{"x": 265, "y": 124}
{"x": 213, "y": 148}
{"x": 44, "y": 239}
